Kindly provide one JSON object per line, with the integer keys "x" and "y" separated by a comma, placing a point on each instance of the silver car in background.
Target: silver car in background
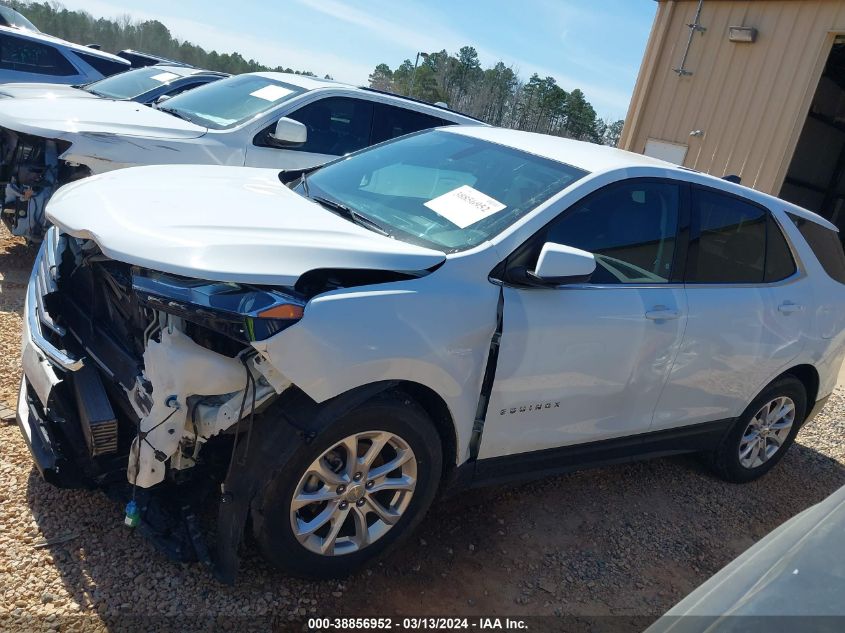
{"x": 30, "y": 56}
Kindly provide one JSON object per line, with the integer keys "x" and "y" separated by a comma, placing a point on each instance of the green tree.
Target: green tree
{"x": 496, "y": 95}
{"x": 381, "y": 78}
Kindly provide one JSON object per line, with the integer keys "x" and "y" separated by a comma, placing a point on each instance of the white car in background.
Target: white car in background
{"x": 276, "y": 120}
{"x": 31, "y": 56}
{"x": 459, "y": 306}
{"x": 142, "y": 85}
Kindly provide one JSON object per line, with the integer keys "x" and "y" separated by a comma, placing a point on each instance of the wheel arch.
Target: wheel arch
{"x": 809, "y": 377}
{"x": 438, "y": 411}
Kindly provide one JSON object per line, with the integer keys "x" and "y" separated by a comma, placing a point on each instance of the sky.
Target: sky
{"x": 594, "y": 45}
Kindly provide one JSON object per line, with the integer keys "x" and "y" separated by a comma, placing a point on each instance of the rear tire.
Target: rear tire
{"x": 763, "y": 433}
{"x": 362, "y": 508}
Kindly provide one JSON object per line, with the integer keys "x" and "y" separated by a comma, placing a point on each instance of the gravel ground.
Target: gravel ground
{"x": 626, "y": 541}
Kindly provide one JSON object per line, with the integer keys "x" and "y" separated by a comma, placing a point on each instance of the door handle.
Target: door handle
{"x": 662, "y": 313}
{"x": 787, "y": 307}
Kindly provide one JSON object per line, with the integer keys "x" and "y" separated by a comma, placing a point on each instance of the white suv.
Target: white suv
{"x": 457, "y": 307}
{"x": 277, "y": 120}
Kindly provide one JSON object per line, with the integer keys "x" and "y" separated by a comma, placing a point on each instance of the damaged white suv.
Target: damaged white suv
{"x": 324, "y": 351}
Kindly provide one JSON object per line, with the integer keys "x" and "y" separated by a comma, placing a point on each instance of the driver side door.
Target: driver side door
{"x": 584, "y": 362}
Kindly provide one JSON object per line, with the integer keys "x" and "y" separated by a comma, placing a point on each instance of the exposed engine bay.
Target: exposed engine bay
{"x": 169, "y": 363}
{"x": 30, "y": 171}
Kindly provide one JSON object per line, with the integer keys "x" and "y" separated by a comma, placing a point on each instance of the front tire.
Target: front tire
{"x": 353, "y": 493}
{"x": 763, "y": 433}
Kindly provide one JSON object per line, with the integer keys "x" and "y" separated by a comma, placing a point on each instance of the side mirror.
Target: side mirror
{"x": 559, "y": 264}
{"x": 289, "y": 132}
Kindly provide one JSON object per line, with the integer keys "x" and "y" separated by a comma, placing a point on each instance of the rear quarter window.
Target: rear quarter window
{"x": 825, "y": 244}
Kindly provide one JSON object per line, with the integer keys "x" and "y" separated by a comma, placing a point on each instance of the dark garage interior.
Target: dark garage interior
{"x": 816, "y": 175}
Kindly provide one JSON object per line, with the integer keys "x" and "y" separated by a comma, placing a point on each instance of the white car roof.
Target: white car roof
{"x": 590, "y": 157}
{"x": 50, "y": 39}
{"x": 303, "y": 81}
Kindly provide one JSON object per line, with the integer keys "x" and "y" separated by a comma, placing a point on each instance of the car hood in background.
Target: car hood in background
{"x": 797, "y": 572}
{"x": 223, "y": 224}
{"x": 43, "y": 91}
{"x": 57, "y": 118}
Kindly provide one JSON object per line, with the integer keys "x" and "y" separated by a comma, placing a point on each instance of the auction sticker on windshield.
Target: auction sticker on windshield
{"x": 271, "y": 92}
{"x": 162, "y": 77}
{"x": 464, "y": 206}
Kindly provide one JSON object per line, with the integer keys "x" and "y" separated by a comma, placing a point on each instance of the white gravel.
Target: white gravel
{"x": 628, "y": 540}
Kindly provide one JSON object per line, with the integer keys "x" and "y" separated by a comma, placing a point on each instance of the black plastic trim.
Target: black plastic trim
{"x": 554, "y": 461}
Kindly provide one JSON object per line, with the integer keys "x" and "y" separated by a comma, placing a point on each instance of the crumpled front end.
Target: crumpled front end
{"x": 129, "y": 373}
{"x": 30, "y": 171}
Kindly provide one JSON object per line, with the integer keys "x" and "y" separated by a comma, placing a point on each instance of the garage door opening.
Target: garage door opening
{"x": 816, "y": 176}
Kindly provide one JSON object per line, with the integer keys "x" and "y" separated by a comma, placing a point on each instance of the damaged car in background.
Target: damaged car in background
{"x": 319, "y": 352}
{"x": 277, "y": 120}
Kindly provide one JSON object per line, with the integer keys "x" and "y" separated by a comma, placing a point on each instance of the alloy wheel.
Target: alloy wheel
{"x": 767, "y": 432}
{"x": 353, "y": 493}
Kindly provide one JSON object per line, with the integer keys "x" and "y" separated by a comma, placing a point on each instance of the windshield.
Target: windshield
{"x": 230, "y": 102}
{"x": 132, "y": 83}
{"x": 441, "y": 189}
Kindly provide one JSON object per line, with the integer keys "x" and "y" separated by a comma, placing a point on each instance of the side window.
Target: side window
{"x": 728, "y": 241}
{"x": 779, "y": 262}
{"x": 630, "y": 227}
{"x": 183, "y": 87}
{"x": 390, "y": 122}
{"x": 32, "y": 57}
{"x": 825, "y": 245}
{"x": 106, "y": 67}
{"x": 336, "y": 125}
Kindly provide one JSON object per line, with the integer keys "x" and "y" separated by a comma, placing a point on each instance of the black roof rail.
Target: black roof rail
{"x": 732, "y": 178}
{"x": 420, "y": 101}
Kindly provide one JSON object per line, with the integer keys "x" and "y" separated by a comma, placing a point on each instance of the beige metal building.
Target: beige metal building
{"x": 754, "y": 88}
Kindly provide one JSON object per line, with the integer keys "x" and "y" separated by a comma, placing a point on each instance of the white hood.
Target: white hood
{"x": 56, "y": 118}
{"x": 223, "y": 224}
{"x": 43, "y": 91}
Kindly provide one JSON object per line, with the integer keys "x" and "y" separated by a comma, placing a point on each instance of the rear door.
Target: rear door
{"x": 748, "y": 306}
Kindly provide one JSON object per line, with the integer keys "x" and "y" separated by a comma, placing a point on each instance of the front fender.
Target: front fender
{"x": 433, "y": 331}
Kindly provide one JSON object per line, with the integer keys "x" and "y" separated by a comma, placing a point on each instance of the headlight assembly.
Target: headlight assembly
{"x": 242, "y": 312}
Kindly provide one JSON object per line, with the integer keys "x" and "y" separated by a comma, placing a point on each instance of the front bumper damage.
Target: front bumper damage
{"x": 95, "y": 413}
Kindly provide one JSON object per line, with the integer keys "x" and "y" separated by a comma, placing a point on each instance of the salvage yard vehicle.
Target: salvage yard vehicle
{"x": 277, "y": 120}
{"x": 328, "y": 348}
{"x": 142, "y": 85}
{"x": 27, "y": 55}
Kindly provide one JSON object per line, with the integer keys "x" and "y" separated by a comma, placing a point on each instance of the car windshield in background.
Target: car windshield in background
{"x": 441, "y": 189}
{"x": 13, "y": 18}
{"x": 230, "y": 102}
{"x": 132, "y": 83}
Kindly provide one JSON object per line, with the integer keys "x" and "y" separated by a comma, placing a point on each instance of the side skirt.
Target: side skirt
{"x": 555, "y": 461}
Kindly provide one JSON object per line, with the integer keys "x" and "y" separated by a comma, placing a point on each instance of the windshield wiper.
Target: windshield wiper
{"x": 350, "y": 214}
{"x": 177, "y": 114}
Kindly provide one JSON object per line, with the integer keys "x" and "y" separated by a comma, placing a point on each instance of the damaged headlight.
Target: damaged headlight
{"x": 244, "y": 313}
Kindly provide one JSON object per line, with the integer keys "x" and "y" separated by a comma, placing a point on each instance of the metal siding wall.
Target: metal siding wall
{"x": 750, "y": 100}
